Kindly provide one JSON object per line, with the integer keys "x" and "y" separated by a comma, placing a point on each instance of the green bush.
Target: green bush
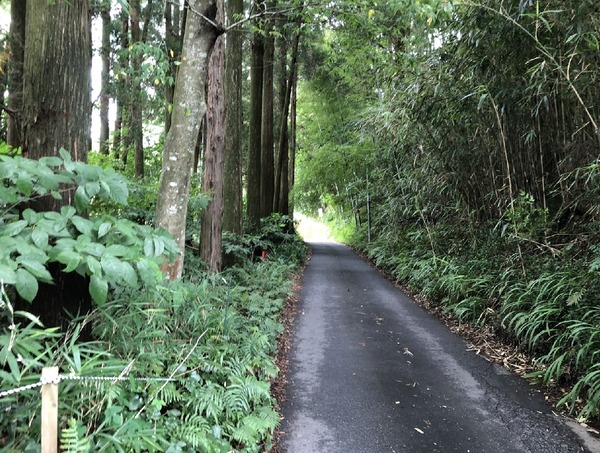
{"x": 113, "y": 252}
{"x": 215, "y": 336}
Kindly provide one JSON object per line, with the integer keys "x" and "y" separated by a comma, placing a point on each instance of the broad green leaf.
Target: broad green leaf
{"x": 52, "y": 215}
{"x": 98, "y": 289}
{"x": 122, "y": 251}
{"x": 118, "y": 189}
{"x": 68, "y": 211}
{"x": 7, "y": 274}
{"x": 26, "y": 285}
{"x": 149, "y": 271}
{"x": 70, "y": 258}
{"x": 94, "y": 266}
{"x": 39, "y": 238}
{"x": 31, "y": 216}
{"x": 84, "y": 226}
{"x": 25, "y": 184}
{"x": 113, "y": 267}
{"x": 91, "y": 248}
{"x": 159, "y": 246}
{"x": 7, "y": 245}
{"x": 13, "y": 228}
{"x": 8, "y": 195}
{"x": 129, "y": 276}
{"x": 14, "y": 366}
{"x": 35, "y": 267}
{"x": 82, "y": 200}
{"x": 92, "y": 188}
{"x": 148, "y": 247}
{"x": 67, "y": 161}
{"x": 104, "y": 229}
{"x": 51, "y": 161}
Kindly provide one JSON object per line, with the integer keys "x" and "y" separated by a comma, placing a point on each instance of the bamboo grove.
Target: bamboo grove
{"x": 463, "y": 141}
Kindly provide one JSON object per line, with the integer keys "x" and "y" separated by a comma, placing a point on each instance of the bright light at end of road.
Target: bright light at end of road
{"x": 312, "y": 230}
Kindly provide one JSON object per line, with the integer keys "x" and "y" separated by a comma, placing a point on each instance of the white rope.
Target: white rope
{"x": 72, "y": 377}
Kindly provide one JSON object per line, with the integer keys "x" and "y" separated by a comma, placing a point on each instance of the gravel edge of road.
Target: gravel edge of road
{"x": 284, "y": 344}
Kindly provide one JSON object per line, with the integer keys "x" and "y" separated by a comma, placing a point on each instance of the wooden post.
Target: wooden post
{"x": 50, "y": 410}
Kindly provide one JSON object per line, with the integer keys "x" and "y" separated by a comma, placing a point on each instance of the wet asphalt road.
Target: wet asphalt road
{"x": 371, "y": 371}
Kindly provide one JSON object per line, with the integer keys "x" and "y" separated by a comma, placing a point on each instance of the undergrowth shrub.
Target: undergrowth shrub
{"x": 536, "y": 296}
{"x": 214, "y": 336}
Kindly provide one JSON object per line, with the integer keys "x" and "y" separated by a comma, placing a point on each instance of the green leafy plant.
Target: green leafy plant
{"x": 112, "y": 252}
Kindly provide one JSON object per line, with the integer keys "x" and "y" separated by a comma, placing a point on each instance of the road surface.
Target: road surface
{"x": 371, "y": 371}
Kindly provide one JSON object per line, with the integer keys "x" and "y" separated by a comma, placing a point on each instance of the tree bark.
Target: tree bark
{"x": 57, "y": 114}
{"x": 283, "y": 161}
{"x": 105, "y": 54}
{"x": 292, "y": 141}
{"x": 56, "y": 85}
{"x": 212, "y": 170}
{"x": 232, "y": 215}
{"x": 120, "y": 140}
{"x": 189, "y": 106}
{"x": 281, "y": 50}
{"x": 267, "y": 166}
{"x": 170, "y": 39}
{"x": 136, "y": 95}
{"x": 15, "y": 71}
{"x": 254, "y": 135}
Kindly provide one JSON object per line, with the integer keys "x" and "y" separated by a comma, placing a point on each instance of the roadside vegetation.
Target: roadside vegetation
{"x": 210, "y": 339}
{"x": 467, "y": 151}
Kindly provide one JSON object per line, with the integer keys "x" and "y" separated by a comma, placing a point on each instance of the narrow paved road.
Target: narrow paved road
{"x": 371, "y": 371}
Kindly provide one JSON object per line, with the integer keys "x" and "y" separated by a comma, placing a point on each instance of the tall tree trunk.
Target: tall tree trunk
{"x": 4, "y": 48}
{"x": 189, "y": 106}
{"x": 104, "y": 95}
{"x": 56, "y": 85}
{"x": 281, "y": 50}
{"x": 255, "y": 123}
{"x": 136, "y": 95}
{"x": 117, "y": 129}
{"x": 170, "y": 39}
{"x": 15, "y": 71}
{"x": 267, "y": 166}
{"x": 283, "y": 167}
{"x": 232, "y": 215}
{"x": 212, "y": 169}
{"x": 120, "y": 141}
{"x": 57, "y": 114}
{"x": 292, "y": 140}
{"x": 173, "y": 40}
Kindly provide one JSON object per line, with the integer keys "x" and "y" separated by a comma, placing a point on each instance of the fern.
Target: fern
{"x": 71, "y": 440}
{"x": 256, "y": 425}
{"x": 210, "y": 401}
{"x": 192, "y": 429}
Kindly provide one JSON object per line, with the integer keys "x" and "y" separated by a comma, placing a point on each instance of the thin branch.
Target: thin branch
{"x": 11, "y": 112}
{"x": 274, "y": 13}
{"x": 216, "y": 26}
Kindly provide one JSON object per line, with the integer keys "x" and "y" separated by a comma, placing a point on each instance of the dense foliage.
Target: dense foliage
{"x": 464, "y": 142}
{"x": 209, "y": 339}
